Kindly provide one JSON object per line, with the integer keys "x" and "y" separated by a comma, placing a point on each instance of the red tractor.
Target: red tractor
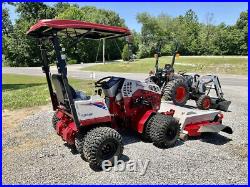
{"x": 89, "y": 122}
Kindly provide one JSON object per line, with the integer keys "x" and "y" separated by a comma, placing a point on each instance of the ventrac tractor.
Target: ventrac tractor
{"x": 91, "y": 123}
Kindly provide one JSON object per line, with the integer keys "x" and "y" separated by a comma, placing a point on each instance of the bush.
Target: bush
{"x": 143, "y": 52}
{"x": 72, "y": 61}
{"x": 167, "y": 50}
{"x": 125, "y": 53}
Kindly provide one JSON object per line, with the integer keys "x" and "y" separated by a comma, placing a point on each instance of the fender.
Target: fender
{"x": 144, "y": 119}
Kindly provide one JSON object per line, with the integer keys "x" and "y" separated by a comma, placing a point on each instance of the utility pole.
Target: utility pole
{"x": 103, "y": 50}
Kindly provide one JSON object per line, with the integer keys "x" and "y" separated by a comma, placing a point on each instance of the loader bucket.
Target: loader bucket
{"x": 220, "y": 104}
{"x": 223, "y": 105}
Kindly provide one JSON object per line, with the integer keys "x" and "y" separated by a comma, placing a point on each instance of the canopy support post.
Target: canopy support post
{"x": 103, "y": 50}
{"x": 46, "y": 70}
{"x": 62, "y": 70}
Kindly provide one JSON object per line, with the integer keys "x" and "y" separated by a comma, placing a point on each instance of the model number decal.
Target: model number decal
{"x": 86, "y": 115}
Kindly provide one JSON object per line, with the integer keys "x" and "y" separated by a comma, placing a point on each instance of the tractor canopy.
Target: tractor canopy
{"x": 75, "y": 28}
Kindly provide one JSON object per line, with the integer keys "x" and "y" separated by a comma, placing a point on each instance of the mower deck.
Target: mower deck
{"x": 194, "y": 121}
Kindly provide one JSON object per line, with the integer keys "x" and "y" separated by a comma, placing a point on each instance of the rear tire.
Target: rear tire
{"x": 165, "y": 131}
{"x": 55, "y": 119}
{"x": 176, "y": 91}
{"x": 102, "y": 143}
{"x": 204, "y": 102}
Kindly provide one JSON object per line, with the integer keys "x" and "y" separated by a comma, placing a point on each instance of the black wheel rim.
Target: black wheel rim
{"x": 108, "y": 150}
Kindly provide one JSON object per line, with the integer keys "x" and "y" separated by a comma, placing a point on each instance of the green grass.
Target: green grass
{"x": 215, "y": 65}
{"x": 20, "y": 91}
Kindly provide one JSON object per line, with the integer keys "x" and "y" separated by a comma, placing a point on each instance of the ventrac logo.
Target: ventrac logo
{"x": 100, "y": 105}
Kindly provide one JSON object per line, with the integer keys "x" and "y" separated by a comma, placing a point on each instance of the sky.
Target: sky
{"x": 227, "y": 12}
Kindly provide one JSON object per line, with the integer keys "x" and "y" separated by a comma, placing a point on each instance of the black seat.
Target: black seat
{"x": 60, "y": 89}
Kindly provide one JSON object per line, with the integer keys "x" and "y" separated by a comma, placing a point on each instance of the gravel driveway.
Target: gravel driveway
{"x": 34, "y": 154}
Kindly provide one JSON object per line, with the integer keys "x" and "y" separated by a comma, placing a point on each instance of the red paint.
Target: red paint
{"x": 92, "y": 121}
{"x": 169, "y": 113}
{"x": 130, "y": 112}
{"x": 127, "y": 114}
{"x": 180, "y": 94}
{"x": 143, "y": 120}
{"x": 192, "y": 129}
{"x": 135, "y": 112}
{"x": 206, "y": 103}
{"x": 60, "y": 114}
{"x": 74, "y": 24}
{"x": 66, "y": 127}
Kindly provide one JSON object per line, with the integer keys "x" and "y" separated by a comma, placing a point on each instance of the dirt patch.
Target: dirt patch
{"x": 17, "y": 136}
{"x": 12, "y": 118}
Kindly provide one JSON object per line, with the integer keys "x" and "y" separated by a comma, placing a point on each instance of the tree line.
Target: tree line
{"x": 192, "y": 37}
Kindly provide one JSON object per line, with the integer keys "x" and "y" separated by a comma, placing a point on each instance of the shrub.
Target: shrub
{"x": 125, "y": 53}
{"x": 72, "y": 61}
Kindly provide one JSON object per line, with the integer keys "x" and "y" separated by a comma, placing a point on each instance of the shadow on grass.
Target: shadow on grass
{"x": 19, "y": 86}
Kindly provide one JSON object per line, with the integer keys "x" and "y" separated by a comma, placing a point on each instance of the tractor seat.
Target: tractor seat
{"x": 61, "y": 92}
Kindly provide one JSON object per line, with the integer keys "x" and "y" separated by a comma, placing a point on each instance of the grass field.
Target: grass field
{"x": 20, "y": 91}
{"x": 222, "y": 65}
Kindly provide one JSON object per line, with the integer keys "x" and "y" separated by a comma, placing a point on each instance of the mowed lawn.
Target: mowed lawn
{"x": 214, "y": 64}
{"x": 20, "y": 91}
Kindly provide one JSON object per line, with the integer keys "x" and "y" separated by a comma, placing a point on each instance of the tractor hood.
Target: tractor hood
{"x": 75, "y": 28}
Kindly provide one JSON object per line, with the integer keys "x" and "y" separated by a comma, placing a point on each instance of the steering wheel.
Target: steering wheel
{"x": 101, "y": 81}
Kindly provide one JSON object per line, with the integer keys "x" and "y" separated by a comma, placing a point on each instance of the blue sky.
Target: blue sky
{"x": 227, "y": 12}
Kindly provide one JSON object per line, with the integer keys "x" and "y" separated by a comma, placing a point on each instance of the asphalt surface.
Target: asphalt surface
{"x": 75, "y": 72}
{"x": 34, "y": 154}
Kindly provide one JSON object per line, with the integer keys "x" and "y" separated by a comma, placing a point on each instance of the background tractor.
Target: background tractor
{"x": 182, "y": 86}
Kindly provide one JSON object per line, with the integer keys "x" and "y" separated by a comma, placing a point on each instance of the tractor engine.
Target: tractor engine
{"x": 129, "y": 100}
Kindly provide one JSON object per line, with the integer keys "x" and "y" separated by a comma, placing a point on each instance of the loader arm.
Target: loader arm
{"x": 217, "y": 87}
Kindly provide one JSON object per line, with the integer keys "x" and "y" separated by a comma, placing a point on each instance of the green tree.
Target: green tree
{"x": 242, "y": 26}
{"x": 87, "y": 50}
{"x": 7, "y": 26}
{"x": 125, "y": 53}
{"x": 23, "y": 50}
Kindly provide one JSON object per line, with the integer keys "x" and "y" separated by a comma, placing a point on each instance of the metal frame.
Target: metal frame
{"x": 62, "y": 71}
{"x": 48, "y": 29}
{"x": 46, "y": 70}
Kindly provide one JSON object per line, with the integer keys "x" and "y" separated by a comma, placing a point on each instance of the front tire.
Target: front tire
{"x": 102, "y": 143}
{"x": 165, "y": 131}
{"x": 176, "y": 91}
{"x": 147, "y": 128}
{"x": 204, "y": 102}
{"x": 79, "y": 141}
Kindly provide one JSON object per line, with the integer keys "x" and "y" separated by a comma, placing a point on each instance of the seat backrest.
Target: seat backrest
{"x": 60, "y": 89}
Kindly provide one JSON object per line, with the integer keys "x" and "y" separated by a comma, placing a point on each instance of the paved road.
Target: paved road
{"x": 75, "y": 72}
